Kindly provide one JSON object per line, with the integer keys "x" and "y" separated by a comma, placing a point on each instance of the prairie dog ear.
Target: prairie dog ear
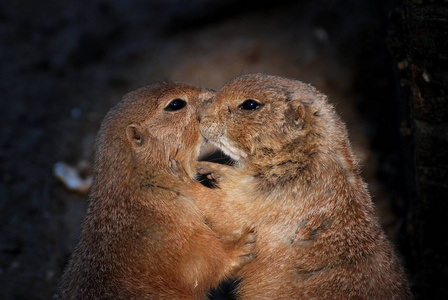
{"x": 295, "y": 114}
{"x": 135, "y": 135}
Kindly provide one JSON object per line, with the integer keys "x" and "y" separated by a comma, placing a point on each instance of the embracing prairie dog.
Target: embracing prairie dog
{"x": 296, "y": 179}
{"x": 143, "y": 236}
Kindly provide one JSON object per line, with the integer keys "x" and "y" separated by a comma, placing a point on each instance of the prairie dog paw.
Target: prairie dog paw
{"x": 214, "y": 171}
{"x": 244, "y": 247}
{"x": 178, "y": 169}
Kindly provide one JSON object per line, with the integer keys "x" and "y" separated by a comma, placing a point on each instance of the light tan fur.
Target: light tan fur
{"x": 296, "y": 179}
{"x": 143, "y": 236}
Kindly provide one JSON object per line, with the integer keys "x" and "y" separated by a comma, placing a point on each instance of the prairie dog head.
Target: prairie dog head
{"x": 150, "y": 125}
{"x": 260, "y": 115}
{"x": 275, "y": 127}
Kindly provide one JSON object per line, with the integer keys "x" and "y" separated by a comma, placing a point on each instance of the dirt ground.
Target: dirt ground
{"x": 64, "y": 64}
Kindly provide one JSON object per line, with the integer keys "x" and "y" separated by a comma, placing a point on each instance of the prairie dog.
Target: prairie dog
{"x": 296, "y": 179}
{"x": 143, "y": 236}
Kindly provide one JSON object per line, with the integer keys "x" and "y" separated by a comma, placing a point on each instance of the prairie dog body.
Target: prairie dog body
{"x": 297, "y": 180}
{"x": 143, "y": 236}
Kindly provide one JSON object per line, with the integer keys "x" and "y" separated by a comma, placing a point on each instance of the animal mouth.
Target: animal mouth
{"x": 217, "y": 136}
{"x": 225, "y": 146}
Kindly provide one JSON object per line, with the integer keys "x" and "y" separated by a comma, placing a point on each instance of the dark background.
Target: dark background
{"x": 64, "y": 64}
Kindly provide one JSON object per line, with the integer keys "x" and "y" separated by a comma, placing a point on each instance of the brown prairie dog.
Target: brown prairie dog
{"x": 296, "y": 179}
{"x": 143, "y": 236}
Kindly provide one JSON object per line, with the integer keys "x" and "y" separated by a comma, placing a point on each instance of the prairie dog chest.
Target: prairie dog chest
{"x": 274, "y": 218}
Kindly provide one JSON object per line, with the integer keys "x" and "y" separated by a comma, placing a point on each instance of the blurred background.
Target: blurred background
{"x": 65, "y": 63}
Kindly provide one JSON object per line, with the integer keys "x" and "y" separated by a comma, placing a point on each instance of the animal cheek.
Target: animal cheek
{"x": 243, "y": 137}
{"x": 191, "y": 133}
{"x": 233, "y": 132}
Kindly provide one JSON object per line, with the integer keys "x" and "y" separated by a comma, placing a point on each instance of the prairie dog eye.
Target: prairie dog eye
{"x": 250, "y": 104}
{"x": 175, "y": 104}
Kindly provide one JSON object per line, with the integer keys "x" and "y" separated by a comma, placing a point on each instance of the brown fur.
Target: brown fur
{"x": 143, "y": 236}
{"x": 296, "y": 179}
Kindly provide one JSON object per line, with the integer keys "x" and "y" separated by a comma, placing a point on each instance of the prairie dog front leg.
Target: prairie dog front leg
{"x": 220, "y": 216}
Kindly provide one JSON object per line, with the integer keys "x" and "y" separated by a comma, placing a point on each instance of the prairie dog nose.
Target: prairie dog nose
{"x": 204, "y": 109}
